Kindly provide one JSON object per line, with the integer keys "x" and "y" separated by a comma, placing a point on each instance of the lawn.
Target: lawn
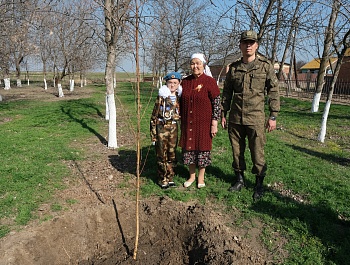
{"x": 307, "y": 184}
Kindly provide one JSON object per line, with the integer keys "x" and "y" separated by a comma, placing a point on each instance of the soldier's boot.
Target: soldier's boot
{"x": 239, "y": 184}
{"x": 258, "y": 189}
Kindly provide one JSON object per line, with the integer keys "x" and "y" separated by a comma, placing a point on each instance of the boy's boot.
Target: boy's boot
{"x": 239, "y": 181}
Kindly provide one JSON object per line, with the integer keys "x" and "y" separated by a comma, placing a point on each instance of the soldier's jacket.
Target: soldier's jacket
{"x": 164, "y": 111}
{"x": 245, "y": 90}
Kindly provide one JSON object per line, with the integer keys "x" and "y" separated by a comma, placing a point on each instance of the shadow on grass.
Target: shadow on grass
{"x": 125, "y": 162}
{"x": 319, "y": 221}
{"x": 249, "y": 179}
{"x": 306, "y": 114}
{"x": 68, "y": 111}
{"x": 328, "y": 157}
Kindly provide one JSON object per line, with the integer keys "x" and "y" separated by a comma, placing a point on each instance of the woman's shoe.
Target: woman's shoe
{"x": 201, "y": 185}
{"x": 188, "y": 183}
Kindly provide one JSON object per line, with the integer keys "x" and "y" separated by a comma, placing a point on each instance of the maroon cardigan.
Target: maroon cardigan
{"x": 196, "y": 112}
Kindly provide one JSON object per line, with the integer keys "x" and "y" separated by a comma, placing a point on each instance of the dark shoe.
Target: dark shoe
{"x": 172, "y": 184}
{"x": 164, "y": 185}
{"x": 239, "y": 182}
{"x": 258, "y": 189}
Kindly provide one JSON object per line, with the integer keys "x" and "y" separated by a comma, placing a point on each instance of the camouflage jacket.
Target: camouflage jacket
{"x": 164, "y": 111}
{"x": 245, "y": 90}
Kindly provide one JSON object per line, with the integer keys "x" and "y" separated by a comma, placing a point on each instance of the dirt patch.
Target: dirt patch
{"x": 100, "y": 227}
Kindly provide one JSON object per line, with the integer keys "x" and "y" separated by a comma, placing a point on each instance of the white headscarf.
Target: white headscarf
{"x": 200, "y": 56}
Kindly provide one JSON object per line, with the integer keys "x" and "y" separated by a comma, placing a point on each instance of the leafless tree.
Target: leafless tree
{"x": 176, "y": 36}
{"x": 116, "y": 15}
{"x": 329, "y": 38}
{"x": 5, "y": 51}
{"x": 43, "y": 41}
{"x": 66, "y": 40}
{"x": 18, "y": 17}
{"x": 345, "y": 44}
{"x": 290, "y": 37}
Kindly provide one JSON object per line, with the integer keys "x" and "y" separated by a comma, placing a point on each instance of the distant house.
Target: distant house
{"x": 344, "y": 73}
{"x": 310, "y": 71}
{"x": 314, "y": 66}
{"x": 219, "y": 67}
{"x": 286, "y": 68}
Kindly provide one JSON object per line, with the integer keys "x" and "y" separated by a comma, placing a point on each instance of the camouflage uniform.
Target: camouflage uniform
{"x": 164, "y": 132}
{"x": 244, "y": 96}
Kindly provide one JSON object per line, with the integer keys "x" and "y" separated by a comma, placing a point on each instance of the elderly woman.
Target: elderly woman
{"x": 200, "y": 111}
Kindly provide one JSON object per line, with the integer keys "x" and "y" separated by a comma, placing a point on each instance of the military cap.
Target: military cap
{"x": 172, "y": 75}
{"x": 249, "y": 35}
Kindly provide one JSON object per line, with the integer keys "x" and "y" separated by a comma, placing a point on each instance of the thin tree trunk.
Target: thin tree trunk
{"x": 322, "y": 134}
{"x": 71, "y": 85}
{"x": 325, "y": 56}
{"x": 110, "y": 38}
{"x": 289, "y": 38}
{"x": 138, "y": 134}
{"x": 7, "y": 83}
{"x": 60, "y": 90}
{"x": 107, "y": 109}
{"x": 112, "y": 118}
{"x": 277, "y": 29}
{"x": 18, "y": 75}
{"x": 81, "y": 79}
{"x": 112, "y": 130}
{"x": 44, "y": 74}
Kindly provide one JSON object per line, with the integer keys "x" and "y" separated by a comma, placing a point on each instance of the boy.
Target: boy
{"x": 164, "y": 128}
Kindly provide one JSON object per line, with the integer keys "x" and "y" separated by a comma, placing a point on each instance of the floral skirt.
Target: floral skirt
{"x": 199, "y": 158}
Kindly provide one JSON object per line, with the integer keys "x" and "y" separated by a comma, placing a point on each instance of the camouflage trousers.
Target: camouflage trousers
{"x": 256, "y": 142}
{"x": 166, "y": 145}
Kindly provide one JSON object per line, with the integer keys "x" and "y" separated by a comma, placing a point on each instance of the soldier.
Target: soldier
{"x": 247, "y": 82}
{"x": 164, "y": 128}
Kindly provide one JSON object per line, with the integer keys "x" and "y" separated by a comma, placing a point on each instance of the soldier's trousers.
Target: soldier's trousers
{"x": 256, "y": 142}
{"x": 166, "y": 144}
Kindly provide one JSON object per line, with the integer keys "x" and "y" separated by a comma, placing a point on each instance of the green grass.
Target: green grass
{"x": 312, "y": 214}
{"x": 305, "y": 206}
{"x": 35, "y": 141}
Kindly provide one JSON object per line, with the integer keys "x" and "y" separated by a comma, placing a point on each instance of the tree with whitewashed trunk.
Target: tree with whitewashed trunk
{"x": 324, "y": 61}
{"x": 116, "y": 13}
{"x": 7, "y": 83}
{"x": 71, "y": 84}
{"x": 44, "y": 41}
{"x": 67, "y": 40}
{"x": 346, "y": 45}
{"x": 21, "y": 15}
